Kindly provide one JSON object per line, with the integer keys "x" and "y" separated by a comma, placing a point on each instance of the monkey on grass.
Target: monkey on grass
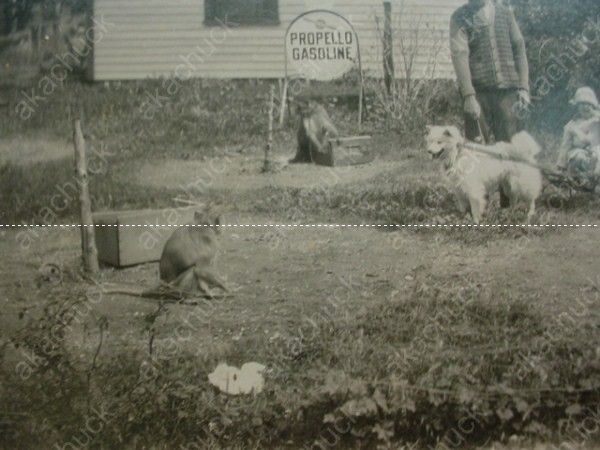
{"x": 314, "y": 129}
{"x": 186, "y": 265}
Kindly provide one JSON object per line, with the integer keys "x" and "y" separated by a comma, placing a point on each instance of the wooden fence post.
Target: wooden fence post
{"x": 388, "y": 49}
{"x": 88, "y": 241}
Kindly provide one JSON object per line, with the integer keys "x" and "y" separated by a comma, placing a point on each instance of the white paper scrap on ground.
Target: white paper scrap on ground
{"x": 234, "y": 381}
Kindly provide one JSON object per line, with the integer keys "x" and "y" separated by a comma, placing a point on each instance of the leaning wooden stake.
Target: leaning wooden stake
{"x": 88, "y": 241}
{"x": 269, "y": 147}
{"x": 283, "y": 102}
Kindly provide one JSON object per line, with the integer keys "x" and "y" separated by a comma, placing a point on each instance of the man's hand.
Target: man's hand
{"x": 472, "y": 107}
{"x": 524, "y": 99}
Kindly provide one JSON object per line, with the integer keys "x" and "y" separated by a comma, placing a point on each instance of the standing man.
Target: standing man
{"x": 489, "y": 57}
{"x": 488, "y": 53}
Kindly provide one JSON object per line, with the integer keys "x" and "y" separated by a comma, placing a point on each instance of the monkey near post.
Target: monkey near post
{"x": 186, "y": 265}
{"x": 314, "y": 129}
{"x": 187, "y": 261}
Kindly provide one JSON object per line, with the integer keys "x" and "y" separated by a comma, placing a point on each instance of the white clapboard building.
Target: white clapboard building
{"x": 137, "y": 39}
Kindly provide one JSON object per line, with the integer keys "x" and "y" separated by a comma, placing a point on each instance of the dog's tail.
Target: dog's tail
{"x": 523, "y": 146}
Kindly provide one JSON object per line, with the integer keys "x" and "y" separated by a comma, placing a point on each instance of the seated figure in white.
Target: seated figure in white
{"x": 580, "y": 147}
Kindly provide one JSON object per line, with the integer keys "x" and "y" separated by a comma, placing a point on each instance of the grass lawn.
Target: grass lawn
{"x": 398, "y": 338}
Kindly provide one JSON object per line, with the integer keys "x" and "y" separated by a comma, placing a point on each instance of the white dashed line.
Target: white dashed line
{"x": 308, "y": 225}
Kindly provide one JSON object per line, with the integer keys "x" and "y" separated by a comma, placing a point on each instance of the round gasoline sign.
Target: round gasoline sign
{"x": 321, "y": 45}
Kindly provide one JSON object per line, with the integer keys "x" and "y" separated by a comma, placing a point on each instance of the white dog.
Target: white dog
{"x": 475, "y": 174}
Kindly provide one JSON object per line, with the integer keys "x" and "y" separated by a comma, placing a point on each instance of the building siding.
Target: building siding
{"x": 165, "y": 38}
{"x": 421, "y": 29}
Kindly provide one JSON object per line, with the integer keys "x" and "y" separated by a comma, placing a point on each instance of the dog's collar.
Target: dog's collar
{"x": 449, "y": 162}
{"x": 456, "y": 149}
{"x": 439, "y": 154}
{"x": 460, "y": 147}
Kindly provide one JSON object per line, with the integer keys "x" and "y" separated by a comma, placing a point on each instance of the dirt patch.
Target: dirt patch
{"x": 244, "y": 173}
{"x": 29, "y": 150}
{"x": 284, "y": 274}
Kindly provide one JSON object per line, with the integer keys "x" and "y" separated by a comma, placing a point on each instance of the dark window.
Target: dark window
{"x": 243, "y": 12}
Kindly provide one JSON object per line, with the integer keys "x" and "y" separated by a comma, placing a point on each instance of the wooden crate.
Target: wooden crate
{"x": 120, "y": 245}
{"x": 346, "y": 151}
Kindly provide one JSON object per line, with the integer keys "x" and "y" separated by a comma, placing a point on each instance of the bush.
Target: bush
{"x": 410, "y": 107}
{"x": 562, "y": 57}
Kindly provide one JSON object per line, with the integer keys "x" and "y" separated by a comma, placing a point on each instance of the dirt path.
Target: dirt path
{"x": 243, "y": 173}
{"x": 286, "y": 276}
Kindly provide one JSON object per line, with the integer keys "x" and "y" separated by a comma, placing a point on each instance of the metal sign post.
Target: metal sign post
{"x": 321, "y": 45}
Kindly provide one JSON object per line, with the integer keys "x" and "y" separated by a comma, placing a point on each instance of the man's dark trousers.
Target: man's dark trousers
{"x": 499, "y": 120}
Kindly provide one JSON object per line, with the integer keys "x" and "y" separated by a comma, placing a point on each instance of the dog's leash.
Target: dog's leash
{"x": 555, "y": 177}
{"x": 479, "y": 148}
{"x": 481, "y": 135}
{"x": 482, "y": 149}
